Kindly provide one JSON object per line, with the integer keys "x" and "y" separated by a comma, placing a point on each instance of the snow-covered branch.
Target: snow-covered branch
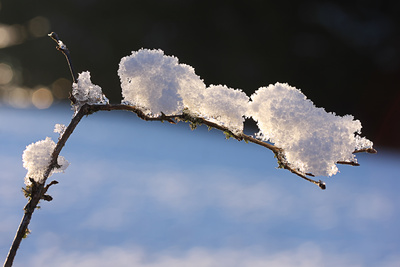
{"x": 306, "y": 140}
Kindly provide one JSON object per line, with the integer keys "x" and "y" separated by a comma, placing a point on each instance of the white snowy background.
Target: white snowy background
{"x": 149, "y": 194}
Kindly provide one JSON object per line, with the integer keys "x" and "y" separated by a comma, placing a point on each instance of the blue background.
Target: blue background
{"x": 142, "y": 193}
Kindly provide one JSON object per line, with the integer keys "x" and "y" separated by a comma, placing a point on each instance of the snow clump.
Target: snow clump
{"x": 85, "y": 92}
{"x": 313, "y": 140}
{"x": 157, "y": 83}
{"x": 36, "y": 158}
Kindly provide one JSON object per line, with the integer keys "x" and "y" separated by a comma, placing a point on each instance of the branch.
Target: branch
{"x": 279, "y": 152}
{"x": 367, "y": 150}
{"x": 39, "y": 189}
{"x": 352, "y": 163}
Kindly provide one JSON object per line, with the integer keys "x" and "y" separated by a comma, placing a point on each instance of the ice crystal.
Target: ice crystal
{"x": 313, "y": 140}
{"x": 62, "y": 45}
{"x": 36, "y": 158}
{"x": 158, "y": 83}
{"x": 85, "y": 91}
{"x": 363, "y": 143}
{"x": 60, "y": 129}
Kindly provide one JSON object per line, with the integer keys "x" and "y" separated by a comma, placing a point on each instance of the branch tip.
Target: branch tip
{"x": 322, "y": 185}
{"x": 54, "y": 36}
{"x": 369, "y": 150}
{"x": 63, "y": 49}
{"x": 352, "y": 163}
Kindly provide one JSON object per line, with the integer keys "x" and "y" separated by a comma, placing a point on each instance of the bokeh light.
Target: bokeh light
{"x": 61, "y": 88}
{"x": 19, "y": 97}
{"x": 6, "y": 74}
{"x": 39, "y": 26}
{"x": 42, "y": 98}
{"x": 11, "y": 35}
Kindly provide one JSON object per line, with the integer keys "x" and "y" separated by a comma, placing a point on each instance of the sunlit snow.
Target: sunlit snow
{"x": 158, "y": 83}
{"x": 36, "y": 158}
{"x": 225, "y": 106}
{"x": 85, "y": 91}
{"x": 313, "y": 139}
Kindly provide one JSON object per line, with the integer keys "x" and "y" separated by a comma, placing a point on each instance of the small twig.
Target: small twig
{"x": 348, "y": 163}
{"x": 63, "y": 49}
{"x": 367, "y": 150}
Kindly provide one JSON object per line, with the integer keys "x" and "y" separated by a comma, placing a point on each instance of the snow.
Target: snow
{"x": 36, "y": 158}
{"x": 363, "y": 143}
{"x": 62, "y": 45}
{"x": 225, "y": 106}
{"x": 313, "y": 140}
{"x": 60, "y": 129}
{"x": 85, "y": 91}
{"x": 159, "y": 83}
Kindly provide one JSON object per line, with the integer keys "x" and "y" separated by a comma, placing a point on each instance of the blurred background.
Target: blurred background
{"x": 344, "y": 55}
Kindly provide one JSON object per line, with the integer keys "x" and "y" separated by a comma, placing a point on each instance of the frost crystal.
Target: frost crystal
{"x": 60, "y": 129}
{"x": 225, "y": 106}
{"x": 62, "y": 45}
{"x": 158, "y": 83}
{"x": 36, "y": 158}
{"x": 363, "y": 143}
{"x": 313, "y": 140}
{"x": 85, "y": 91}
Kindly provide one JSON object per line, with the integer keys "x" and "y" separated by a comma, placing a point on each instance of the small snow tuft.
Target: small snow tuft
{"x": 36, "y": 158}
{"x": 62, "y": 45}
{"x": 85, "y": 92}
{"x": 60, "y": 129}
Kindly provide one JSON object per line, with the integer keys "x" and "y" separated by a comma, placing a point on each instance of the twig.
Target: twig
{"x": 352, "y": 163}
{"x": 63, "y": 49}
{"x": 41, "y": 189}
{"x": 367, "y": 150}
